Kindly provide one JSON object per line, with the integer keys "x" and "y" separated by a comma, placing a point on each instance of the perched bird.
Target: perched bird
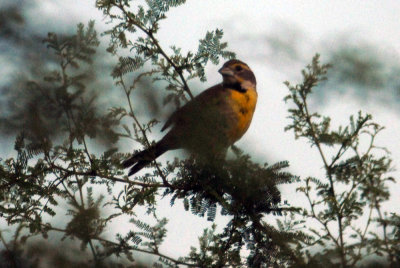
{"x": 211, "y": 122}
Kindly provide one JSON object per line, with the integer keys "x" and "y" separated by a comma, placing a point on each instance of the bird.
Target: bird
{"x": 211, "y": 122}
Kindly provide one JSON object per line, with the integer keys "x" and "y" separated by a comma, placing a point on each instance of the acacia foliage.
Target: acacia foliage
{"x": 345, "y": 218}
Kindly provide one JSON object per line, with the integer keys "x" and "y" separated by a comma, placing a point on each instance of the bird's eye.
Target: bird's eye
{"x": 238, "y": 68}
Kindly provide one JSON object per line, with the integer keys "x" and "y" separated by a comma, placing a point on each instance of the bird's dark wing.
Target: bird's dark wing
{"x": 203, "y": 124}
{"x": 205, "y": 101}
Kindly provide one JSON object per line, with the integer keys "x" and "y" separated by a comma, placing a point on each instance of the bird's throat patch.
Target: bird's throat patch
{"x": 243, "y": 105}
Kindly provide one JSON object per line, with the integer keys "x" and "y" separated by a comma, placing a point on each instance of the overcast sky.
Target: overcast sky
{"x": 277, "y": 39}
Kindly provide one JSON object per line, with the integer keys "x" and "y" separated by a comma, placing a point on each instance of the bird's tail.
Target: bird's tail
{"x": 143, "y": 158}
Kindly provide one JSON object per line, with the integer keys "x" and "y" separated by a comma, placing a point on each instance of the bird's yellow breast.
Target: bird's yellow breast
{"x": 243, "y": 105}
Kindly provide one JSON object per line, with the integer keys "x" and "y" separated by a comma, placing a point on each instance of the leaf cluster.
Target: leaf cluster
{"x": 247, "y": 192}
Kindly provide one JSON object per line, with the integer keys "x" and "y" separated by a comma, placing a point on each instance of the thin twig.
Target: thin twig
{"x": 329, "y": 173}
{"x": 142, "y": 130}
{"x": 146, "y": 251}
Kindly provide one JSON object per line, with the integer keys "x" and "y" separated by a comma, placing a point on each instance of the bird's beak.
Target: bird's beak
{"x": 225, "y": 71}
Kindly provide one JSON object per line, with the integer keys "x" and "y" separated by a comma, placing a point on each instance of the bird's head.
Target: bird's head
{"x": 237, "y": 75}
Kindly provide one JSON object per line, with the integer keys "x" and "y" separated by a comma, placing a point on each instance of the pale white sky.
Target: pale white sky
{"x": 305, "y": 28}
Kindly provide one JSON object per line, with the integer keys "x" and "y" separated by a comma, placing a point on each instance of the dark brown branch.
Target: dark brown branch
{"x": 112, "y": 178}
